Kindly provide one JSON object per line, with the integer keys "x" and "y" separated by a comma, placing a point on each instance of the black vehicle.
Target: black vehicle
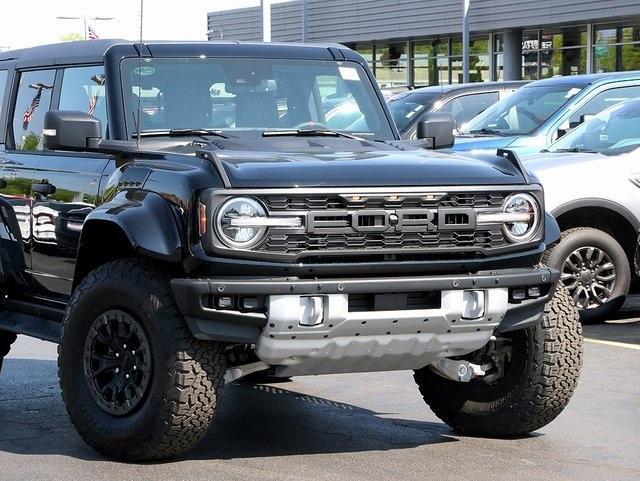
{"x": 209, "y": 244}
{"x": 463, "y": 101}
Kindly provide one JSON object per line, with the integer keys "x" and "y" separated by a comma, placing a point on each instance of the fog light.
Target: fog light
{"x": 519, "y": 294}
{"x": 224, "y": 302}
{"x": 250, "y": 303}
{"x": 311, "y": 310}
{"x": 534, "y": 292}
{"x": 473, "y": 304}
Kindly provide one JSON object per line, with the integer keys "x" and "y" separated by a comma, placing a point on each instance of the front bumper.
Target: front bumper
{"x": 347, "y": 341}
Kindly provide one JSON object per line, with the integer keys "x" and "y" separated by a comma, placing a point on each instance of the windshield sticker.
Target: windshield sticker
{"x": 349, "y": 73}
{"x": 144, "y": 71}
{"x": 572, "y": 92}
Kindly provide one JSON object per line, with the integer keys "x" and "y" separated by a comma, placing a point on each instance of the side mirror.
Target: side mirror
{"x": 70, "y": 130}
{"x": 438, "y": 126}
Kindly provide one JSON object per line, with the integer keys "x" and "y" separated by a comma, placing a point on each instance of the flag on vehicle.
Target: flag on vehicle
{"x": 93, "y": 101}
{"x": 28, "y": 114}
{"x": 92, "y": 34}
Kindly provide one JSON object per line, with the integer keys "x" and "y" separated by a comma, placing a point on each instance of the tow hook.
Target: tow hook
{"x": 458, "y": 370}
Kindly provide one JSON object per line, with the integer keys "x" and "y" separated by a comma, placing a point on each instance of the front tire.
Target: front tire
{"x": 136, "y": 384}
{"x": 6, "y": 339}
{"x": 536, "y": 386}
{"x": 594, "y": 269}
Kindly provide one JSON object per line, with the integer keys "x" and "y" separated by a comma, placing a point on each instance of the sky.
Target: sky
{"x": 25, "y": 23}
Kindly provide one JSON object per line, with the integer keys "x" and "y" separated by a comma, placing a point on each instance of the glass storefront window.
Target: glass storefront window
{"x": 391, "y": 65}
{"x": 617, "y": 48}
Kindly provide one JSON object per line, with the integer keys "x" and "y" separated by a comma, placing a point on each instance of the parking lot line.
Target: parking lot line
{"x": 614, "y": 343}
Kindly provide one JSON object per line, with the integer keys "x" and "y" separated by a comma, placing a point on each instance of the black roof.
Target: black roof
{"x": 92, "y": 51}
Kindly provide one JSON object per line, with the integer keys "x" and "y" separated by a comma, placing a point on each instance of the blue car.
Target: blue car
{"x": 540, "y": 112}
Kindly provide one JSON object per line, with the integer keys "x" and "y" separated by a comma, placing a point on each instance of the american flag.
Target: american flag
{"x": 93, "y": 101}
{"x": 28, "y": 114}
{"x": 92, "y": 34}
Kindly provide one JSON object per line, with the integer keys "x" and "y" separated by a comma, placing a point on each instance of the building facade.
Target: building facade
{"x": 415, "y": 42}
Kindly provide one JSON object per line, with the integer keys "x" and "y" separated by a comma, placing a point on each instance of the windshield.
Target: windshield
{"x": 614, "y": 131}
{"x": 523, "y": 112}
{"x": 242, "y": 94}
{"x": 408, "y": 108}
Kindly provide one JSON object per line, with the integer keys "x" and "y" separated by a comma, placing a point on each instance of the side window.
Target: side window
{"x": 83, "y": 89}
{"x": 466, "y": 107}
{"x": 605, "y": 100}
{"x": 3, "y": 84}
{"x": 33, "y": 100}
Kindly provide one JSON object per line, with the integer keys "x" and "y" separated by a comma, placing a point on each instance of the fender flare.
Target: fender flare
{"x": 597, "y": 202}
{"x": 148, "y": 221}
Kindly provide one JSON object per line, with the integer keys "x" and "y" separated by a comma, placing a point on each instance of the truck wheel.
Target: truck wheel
{"x": 6, "y": 339}
{"x": 595, "y": 270}
{"x": 534, "y": 374}
{"x": 136, "y": 384}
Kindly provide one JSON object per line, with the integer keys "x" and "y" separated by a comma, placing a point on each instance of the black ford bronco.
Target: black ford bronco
{"x": 179, "y": 215}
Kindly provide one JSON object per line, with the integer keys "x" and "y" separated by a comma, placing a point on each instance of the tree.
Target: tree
{"x": 71, "y": 37}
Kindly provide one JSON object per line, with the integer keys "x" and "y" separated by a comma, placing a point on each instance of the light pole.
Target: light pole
{"x": 84, "y": 19}
{"x": 465, "y": 40}
{"x": 265, "y": 6}
{"x": 304, "y": 21}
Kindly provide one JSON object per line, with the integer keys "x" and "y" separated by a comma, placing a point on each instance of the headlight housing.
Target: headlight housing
{"x": 240, "y": 222}
{"x": 522, "y": 217}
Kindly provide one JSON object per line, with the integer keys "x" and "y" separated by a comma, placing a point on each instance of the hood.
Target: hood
{"x": 481, "y": 142}
{"x": 542, "y": 162}
{"x": 249, "y": 169}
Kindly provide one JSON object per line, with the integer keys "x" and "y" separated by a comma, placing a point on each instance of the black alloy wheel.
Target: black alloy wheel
{"x": 117, "y": 362}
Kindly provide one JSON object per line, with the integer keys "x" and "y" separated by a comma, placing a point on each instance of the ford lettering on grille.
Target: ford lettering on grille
{"x": 400, "y": 220}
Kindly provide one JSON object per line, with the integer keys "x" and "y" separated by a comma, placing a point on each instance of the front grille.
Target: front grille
{"x": 424, "y": 223}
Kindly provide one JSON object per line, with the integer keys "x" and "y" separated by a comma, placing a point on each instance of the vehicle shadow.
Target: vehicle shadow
{"x": 623, "y": 327}
{"x": 254, "y": 420}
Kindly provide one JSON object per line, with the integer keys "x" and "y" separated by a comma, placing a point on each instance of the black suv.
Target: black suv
{"x": 179, "y": 215}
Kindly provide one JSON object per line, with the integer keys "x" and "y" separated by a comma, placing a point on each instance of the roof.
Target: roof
{"x": 587, "y": 79}
{"x": 91, "y": 51}
{"x": 433, "y": 89}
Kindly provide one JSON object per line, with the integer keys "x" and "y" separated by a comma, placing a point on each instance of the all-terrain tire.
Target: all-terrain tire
{"x": 536, "y": 387}
{"x": 578, "y": 237}
{"x": 187, "y": 374}
{"x": 6, "y": 339}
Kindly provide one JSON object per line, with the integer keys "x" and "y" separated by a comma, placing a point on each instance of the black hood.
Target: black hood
{"x": 252, "y": 161}
{"x": 379, "y": 168}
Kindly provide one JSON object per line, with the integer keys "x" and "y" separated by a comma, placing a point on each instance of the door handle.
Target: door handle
{"x": 44, "y": 188}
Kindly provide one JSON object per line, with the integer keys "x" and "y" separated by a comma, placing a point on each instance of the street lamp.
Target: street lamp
{"x": 84, "y": 18}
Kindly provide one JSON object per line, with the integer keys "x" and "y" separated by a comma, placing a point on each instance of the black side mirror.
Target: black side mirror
{"x": 70, "y": 130}
{"x": 438, "y": 126}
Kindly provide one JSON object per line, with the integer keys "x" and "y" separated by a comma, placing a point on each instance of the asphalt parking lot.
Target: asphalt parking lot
{"x": 349, "y": 427}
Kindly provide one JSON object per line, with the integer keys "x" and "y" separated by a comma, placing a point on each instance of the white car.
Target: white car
{"x": 591, "y": 178}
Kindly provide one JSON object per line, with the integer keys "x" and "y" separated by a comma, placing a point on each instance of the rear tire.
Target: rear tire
{"x": 537, "y": 384}
{"x": 167, "y": 398}
{"x": 6, "y": 339}
{"x": 574, "y": 245}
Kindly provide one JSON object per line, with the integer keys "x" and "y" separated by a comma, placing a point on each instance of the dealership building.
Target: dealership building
{"x": 415, "y": 42}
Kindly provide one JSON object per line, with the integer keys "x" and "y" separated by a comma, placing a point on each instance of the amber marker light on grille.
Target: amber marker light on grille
{"x": 202, "y": 218}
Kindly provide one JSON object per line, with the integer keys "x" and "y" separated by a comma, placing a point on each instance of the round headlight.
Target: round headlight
{"x": 238, "y": 222}
{"x": 523, "y": 224}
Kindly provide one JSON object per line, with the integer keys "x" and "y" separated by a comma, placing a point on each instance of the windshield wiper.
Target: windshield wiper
{"x": 310, "y": 133}
{"x": 577, "y": 150}
{"x": 181, "y": 132}
{"x": 485, "y": 131}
